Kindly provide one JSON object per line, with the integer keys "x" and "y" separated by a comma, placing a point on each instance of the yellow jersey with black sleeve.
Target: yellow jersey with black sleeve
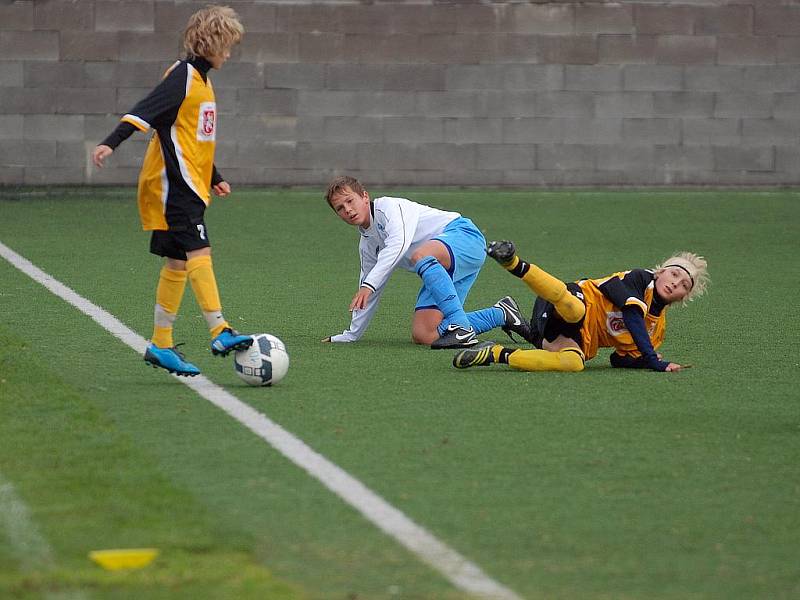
{"x": 178, "y": 168}
{"x": 603, "y": 325}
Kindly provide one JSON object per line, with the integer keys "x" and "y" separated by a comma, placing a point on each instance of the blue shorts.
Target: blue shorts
{"x": 467, "y": 248}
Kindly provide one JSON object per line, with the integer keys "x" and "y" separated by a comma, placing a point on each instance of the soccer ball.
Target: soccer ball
{"x": 263, "y": 363}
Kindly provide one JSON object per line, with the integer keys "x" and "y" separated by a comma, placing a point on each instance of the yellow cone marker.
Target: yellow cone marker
{"x": 124, "y": 558}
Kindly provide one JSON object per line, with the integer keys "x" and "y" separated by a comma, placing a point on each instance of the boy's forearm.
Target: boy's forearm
{"x": 344, "y": 337}
{"x": 359, "y": 320}
{"x": 379, "y": 274}
{"x": 352, "y": 333}
{"x": 123, "y": 131}
{"x": 216, "y": 176}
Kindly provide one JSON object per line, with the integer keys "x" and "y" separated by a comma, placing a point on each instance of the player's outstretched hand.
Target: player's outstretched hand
{"x": 100, "y": 153}
{"x": 327, "y": 340}
{"x": 221, "y": 189}
{"x": 674, "y": 367}
{"x": 502, "y": 251}
{"x": 360, "y": 299}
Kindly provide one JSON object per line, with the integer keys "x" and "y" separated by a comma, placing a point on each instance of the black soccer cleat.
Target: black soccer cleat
{"x": 502, "y": 251}
{"x": 455, "y": 336}
{"x": 479, "y": 356}
{"x": 515, "y": 322}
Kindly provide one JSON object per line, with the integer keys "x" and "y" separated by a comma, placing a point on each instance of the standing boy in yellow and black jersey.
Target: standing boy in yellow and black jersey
{"x": 176, "y": 179}
{"x": 625, "y": 311}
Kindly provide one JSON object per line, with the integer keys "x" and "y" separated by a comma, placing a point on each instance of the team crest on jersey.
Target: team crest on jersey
{"x": 615, "y": 324}
{"x": 207, "y": 122}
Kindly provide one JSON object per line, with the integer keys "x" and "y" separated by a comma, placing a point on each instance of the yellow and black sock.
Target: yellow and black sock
{"x": 500, "y": 353}
{"x": 169, "y": 293}
{"x": 204, "y": 285}
{"x": 544, "y": 285}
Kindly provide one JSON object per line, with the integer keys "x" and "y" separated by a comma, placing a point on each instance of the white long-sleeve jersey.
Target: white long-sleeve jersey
{"x": 397, "y": 228}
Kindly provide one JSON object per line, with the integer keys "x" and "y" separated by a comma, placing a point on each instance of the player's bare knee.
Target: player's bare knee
{"x": 175, "y": 265}
{"x": 419, "y": 255}
{"x": 424, "y": 337}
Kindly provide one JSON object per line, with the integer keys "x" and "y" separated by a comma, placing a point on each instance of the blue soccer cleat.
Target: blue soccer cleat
{"x": 171, "y": 360}
{"x": 229, "y": 340}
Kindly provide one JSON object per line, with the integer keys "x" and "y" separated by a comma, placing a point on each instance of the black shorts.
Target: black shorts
{"x": 546, "y": 324}
{"x": 180, "y": 239}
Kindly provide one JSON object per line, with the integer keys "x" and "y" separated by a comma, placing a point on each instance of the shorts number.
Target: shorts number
{"x": 202, "y": 230}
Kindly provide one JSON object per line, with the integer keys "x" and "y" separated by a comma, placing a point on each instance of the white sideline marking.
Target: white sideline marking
{"x": 456, "y": 568}
{"x": 27, "y": 544}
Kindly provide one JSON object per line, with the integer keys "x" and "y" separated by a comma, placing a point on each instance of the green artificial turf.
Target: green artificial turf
{"x": 603, "y": 484}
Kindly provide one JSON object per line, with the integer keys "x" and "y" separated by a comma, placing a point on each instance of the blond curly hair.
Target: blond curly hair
{"x": 697, "y": 268}
{"x": 211, "y": 31}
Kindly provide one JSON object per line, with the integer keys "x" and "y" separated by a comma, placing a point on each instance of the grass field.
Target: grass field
{"x": 606, "y": 484}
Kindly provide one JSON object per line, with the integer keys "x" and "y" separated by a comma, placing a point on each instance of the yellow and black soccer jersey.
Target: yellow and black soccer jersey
{"x": 603, "y": 325}
{"x": 178, "y": 167}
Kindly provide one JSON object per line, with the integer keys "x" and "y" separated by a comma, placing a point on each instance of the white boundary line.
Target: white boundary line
{"x": 27, "y": 544}
{"x": 456, "y": 568}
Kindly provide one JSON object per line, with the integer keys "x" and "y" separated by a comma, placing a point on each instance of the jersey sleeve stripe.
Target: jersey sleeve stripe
{"x": 137, "y": 122}
{"x": 633, "y": 300}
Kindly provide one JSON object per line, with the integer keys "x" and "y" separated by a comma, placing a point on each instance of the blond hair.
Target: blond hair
{"x": 697, "y": 268}
{"x": 340, "y": 183}
{"x": 211, "y": 31}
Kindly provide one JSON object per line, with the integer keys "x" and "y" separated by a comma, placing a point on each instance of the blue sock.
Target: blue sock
{"x": 438, "y": 283}
{"x": 486, "y": 319}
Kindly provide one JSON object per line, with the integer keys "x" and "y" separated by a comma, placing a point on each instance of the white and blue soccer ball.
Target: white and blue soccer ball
{"x": 263, "y": 363}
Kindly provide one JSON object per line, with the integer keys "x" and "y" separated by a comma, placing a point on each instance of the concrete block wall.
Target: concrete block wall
{"x": 436, "y": 92}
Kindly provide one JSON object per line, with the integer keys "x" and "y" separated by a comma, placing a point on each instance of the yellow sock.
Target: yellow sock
{"x": 162, "y": 337}
{"x": 568, "y": 360}
{"x": 544, "y": 285}
{"x": 496, "y": 350}
{"x": 169, "y": 294}
{"x": 204, "y": 284}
